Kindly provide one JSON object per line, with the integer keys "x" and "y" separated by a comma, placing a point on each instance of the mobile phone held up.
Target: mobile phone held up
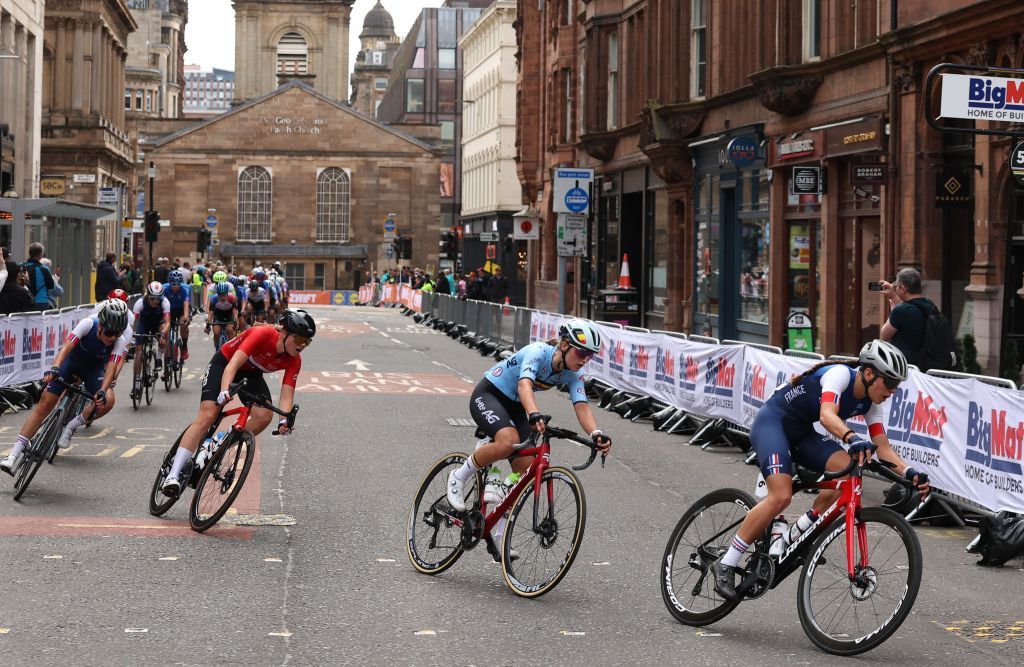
{"x": 875, "y": 286}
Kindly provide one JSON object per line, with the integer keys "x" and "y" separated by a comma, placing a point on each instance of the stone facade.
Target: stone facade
{"x": 295, "y": 135}
{"x": 21, "y": 86}
{"x": 278, "y": 40}
{"x": 378, "y": 46}
{"x": 155, "y": 64}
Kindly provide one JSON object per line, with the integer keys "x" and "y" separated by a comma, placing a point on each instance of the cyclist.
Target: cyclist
{"x": 270, "y": 284}
{"x": 92, "y": 352}
{"x": 256, "y": 302}
{"x": 180, "y": 297}
{"x": 504, "y": 406}
{"x": 241, "y": 291}
{"x": 152, "y": 315}
{"x": 261, "y": 349}
{"x": 223, "y": 312}
{"x": 783, "y": 431}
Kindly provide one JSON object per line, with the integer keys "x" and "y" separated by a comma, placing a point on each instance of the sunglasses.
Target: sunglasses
{"x": 109, "y": 333}
{"x": 301, "y": 341}
{"x": 585, "y": 355}
{"x": 154, "y": 298}
{"x": 890, "y": 383}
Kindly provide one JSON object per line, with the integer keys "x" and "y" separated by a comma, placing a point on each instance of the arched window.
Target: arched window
{"x": 292, "y": 54}
{"x": 332, "y": 204}
{"x": 254, "y": 199}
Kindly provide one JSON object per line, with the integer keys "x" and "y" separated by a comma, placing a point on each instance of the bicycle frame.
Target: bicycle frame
{"x": 541, "y": 462}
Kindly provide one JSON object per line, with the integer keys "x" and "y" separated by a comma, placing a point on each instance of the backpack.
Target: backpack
{"x": 938, "y": 350}
{"x": 1002, "y": 538}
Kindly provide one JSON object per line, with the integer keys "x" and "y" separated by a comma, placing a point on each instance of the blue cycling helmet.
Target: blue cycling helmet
{"x": 224, "y": 288}
{"x": 175, "y": 277}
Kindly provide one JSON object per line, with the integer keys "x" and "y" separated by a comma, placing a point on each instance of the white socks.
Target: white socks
{"x": 468, "y": 469}
{"x": 181, "y": 457}
{"x": 19, "y": 446}
{"x": 75, "y": 423}
{"x": 736, "y": 551}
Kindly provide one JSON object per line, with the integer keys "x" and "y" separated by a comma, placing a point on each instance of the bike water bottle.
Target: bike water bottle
{"x": 780, "y": 536}
{"x": 204, "y": 453}
{"x": 802, "y": 524}
{"x": 511, "y": 481}
{"x": 494, "y": 491}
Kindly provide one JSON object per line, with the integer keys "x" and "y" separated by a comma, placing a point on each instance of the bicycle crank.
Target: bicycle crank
{"x": 758, "y": 578}
{"x": 472, "y": 529}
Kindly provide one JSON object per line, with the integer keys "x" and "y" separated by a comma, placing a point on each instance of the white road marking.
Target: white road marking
{"x": 424, "y": 633}
{"x": 272, "y": 559}
{"x": 53, "y": 557}
{"x": 571, "y": 633}
{"x": 137, "y": 630}
{"x": 169, "y": 557}
{"x": 282, "y": 633}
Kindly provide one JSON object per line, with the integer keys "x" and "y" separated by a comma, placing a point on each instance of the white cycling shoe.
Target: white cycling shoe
{"x": 171, "y": 487}
{"x": 456, "y": 492}
{"x": 9, "y": 463}
{"x": 64, "y": 441}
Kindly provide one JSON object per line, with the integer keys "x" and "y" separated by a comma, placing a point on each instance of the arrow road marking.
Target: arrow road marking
{"x": 360, "y": 365}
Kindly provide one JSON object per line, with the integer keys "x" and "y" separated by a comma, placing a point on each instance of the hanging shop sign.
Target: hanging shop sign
{"x": 805, "y": 181}
{"x": 794, "y": 148}
{"x": 953, "y": 188}
{"x": 867, "y": 174}
{"x": 742, "y": 152}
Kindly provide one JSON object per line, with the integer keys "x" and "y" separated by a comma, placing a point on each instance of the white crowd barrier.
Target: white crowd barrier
{"x": 967, "y": 435}
{"x": 29, "y": 342}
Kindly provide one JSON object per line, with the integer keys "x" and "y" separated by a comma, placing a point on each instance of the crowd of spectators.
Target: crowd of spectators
{"x": 479, "y": 284}
{"x": 31, "y": 286}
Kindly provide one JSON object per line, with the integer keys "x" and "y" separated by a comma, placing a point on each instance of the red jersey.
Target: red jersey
{"x": 260, "y": 343}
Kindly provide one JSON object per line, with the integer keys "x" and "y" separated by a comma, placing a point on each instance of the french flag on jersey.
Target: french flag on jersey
{"x": 774, "y": 465}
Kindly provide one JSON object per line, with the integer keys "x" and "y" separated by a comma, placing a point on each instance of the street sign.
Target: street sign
{"x": 572, "y": 190}
{"x": 211, "y": 221}
{"x": 489, "y": 237}
{"x": 526, "y": 229}
{"x": 571, "y": 235}
{"x": 390, "y": 226}
{"x": 84, "y": 178}
{"x": 108, "y": 196}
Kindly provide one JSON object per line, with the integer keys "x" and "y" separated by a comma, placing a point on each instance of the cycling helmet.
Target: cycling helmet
{"x": 113, "y": 316}
{"x": 297, "y": 322}
{"x": 175, "y": 277}
{"x": 219, "y": 277}
{"x": 155, "y": 288}
{"x": 224, "y": 288}
{"x": 884, "y": 358}
{"x": 259, "y": 273}
{"x": 237, "y": 281}
{"x": 119, "y": 294}
{"x": 581, "y": 334}
{"x": 253, "y": 285}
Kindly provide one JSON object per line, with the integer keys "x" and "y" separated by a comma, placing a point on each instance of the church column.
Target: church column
{"x": 60, "y": 101}
{"x": 78, "y": 68}
{"x": 95, "y": 71}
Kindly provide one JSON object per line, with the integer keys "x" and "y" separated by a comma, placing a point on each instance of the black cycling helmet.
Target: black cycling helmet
{"x": 297, "y": 322}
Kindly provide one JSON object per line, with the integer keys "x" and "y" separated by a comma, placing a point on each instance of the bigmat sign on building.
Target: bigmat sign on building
{"x": 968, "y": 436}
{"x": 982, "y": 98}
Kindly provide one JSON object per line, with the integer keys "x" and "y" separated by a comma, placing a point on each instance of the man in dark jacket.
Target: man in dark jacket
{"x": 497, "y": 287}
{"x": 908, "y": 320}
{"x": 14, "y": 297}
{"x": 40, "y": 280}
{"x": 107, "y": 277}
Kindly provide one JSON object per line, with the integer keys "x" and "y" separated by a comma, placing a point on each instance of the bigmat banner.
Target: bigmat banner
{"x": 967, "y": 435}
{"x": 29, "y": 343}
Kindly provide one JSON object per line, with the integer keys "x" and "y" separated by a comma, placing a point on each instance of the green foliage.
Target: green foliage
{"x": 970, "y": 355}
{"x": 1009, "y": 366}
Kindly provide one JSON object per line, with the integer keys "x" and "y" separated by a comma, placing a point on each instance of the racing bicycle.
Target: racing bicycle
{"x": 44, "y": 445}
{"x": 546, "y": 517}
{"x": 147, "y": 377}
{"x": 220, "y": 480}
{"x": 173, "y": 363}
{"x": 861, "y": 566}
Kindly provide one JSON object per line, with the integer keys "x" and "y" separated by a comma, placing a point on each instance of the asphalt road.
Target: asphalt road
{"x": 91, "y": 579}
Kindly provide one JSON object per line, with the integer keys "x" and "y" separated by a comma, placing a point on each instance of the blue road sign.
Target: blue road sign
{"x": 577, "y": 200}
{"x": 390, "y": 225}
{"x": 211, "y": 221}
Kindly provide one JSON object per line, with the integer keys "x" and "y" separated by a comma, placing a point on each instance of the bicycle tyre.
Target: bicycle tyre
{"x": 179, "y": 364}
{"x": 158, "y": 502}
{"x": 851, "y": 644}
{"x": 433, "y": 491}
{"x": 734, "y": 502}
{"x": 38, "y": 450}
{"x": 522, "y": 540}
{"x": 76, "y": 406}
{"x": 149, "y": 373}
{"x": 223, "y": 466}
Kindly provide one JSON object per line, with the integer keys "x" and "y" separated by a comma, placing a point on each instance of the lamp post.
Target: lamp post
{"x": 152, "y": 207}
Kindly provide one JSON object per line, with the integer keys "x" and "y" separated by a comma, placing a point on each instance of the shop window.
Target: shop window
{"x": 698, "y": 48}
{"x": 254, "y": 204}
{"x": 295, "y": 276}
{"x": 660, "y": 254}
{"x": 754, "y": 256}
{"x": 708, "y": 245}
{"x": 332, "y": 206}
{"x": 803, "y": 290}
{"x": 319, "y": 276}
{"x": 414, "y": 101}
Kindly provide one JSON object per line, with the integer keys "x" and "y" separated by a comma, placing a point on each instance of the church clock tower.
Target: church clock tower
{"x": 280, "y": 40}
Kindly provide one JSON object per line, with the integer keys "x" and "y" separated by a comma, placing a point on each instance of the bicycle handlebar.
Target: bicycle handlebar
{"x": 74, "y": 388}
{"x": 883, "y": 468}
{"x": 563, "y": 434}
{"x": 239, "y": 389}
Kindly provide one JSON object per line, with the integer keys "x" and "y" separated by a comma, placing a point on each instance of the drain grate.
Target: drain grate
{"x": 458, "y": 421}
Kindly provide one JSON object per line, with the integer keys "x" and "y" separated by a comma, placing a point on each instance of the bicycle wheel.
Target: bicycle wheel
{"x": 179, "y": 364}
{"x": 434, "y": 537}
{"x": 847, "y": 618}
{"x": 702, "y": 535}
{"x": 546, "y": 533}
{"x": 149, "y": 373}
{"x": 38, "y": 449}
{"x": 221, "y": 480}
{"x": 158, "y": 502}
{"x": 74, "y": 407}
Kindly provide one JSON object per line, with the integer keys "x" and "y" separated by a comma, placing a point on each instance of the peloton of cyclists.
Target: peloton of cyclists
{"x": 256, "y": 302}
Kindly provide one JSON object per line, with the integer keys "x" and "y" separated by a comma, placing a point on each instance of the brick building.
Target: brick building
{"x": 297, "y": 177}
{"x": 701, "y": 119}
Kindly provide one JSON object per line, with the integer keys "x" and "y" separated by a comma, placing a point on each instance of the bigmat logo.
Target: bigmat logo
{"x": 755, "y": 382}
{"x": 719, "y": 377}
{"x": 31, "y": 344}
{"x": 639, "y": 360}
{"x": 688, "y": 374}
{"x": 10, "y": 347}
{"x": 63, "y": 331}
{"x": 918, "y": 422}
{"x": 617, "y": 357}
{"x": 50, "y": 340}
{"x": 994, "y": 444}
{"x": 983, "y": 93}
{"x": 665, "y": 367}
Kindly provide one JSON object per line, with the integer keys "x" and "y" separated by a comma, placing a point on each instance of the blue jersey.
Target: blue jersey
{"x": 240, "y": 293}
{"x": 833, "y": 383}
{"x": 177, "y": 299}
{"x": 534, "y": 362}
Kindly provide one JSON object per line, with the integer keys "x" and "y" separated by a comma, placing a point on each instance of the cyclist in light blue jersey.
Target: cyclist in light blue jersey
{"x": 503, "y": 404}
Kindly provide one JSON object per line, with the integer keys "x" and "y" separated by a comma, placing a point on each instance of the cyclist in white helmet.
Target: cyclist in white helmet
{"x": 504, "y": 406}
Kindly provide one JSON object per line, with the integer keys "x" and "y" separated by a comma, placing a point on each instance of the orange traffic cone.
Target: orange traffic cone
{"x": 504, "y": 310}
{"x": 624, "y": 282}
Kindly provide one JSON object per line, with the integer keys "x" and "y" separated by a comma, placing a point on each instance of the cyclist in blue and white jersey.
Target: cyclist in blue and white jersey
{"x": 256, "y": 301}
{"x": 222, "y": 313}
{"x": 503, "y": 404}
{"x": 783, "y": 432}
{"x": 179, "y": 296}
{"x": 152, "y": 316}
{"x": 92, "y": 351}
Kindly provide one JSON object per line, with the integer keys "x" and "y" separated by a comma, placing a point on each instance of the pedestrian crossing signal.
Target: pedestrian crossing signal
{"x": 152, "y": 226}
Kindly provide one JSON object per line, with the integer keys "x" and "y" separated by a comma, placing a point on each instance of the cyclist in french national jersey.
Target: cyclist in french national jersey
{"x": 504, "y": 407}
{"x": 261, "y": 349}
{"x": 783, "y": 432}
{"x": 180, "y": 297}
{"x": 92, "y": 351}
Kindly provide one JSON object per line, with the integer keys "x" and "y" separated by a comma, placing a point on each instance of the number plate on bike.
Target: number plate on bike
{"x": 761, "y": 490}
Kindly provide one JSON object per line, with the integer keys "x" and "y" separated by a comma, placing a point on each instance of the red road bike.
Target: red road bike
{"x": 861, "y": 565}
{"x": 543, "y": 532}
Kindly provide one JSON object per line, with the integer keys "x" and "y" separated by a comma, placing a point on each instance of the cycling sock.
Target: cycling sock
{"x": 75, "y": 423}
{"x": 181, "y": 457}
{"x": 19, "y": 446}
{"x": 468, "y": 469}
{"x": 736, "y": 551}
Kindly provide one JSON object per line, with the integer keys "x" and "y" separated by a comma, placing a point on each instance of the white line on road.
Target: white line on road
{"x": 272, "y": 559}
{"x": 53, "y": 557}
{"x": 385, "y": 560}
{"x": 283, "y": 633}
{"x": 140, "y": 631}
{"x": 424, "y": 633}
{"x": 571, "y": 633}
{"x": 169, "y": 557}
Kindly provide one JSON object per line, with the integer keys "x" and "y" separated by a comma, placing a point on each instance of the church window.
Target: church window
{"x": 332, "y": 205}
{"x": 291, "y": 54}
{"x": 254, "y": 204}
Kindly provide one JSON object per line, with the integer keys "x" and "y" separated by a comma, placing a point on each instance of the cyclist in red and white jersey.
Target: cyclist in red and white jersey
{"x": 260, "y": 349}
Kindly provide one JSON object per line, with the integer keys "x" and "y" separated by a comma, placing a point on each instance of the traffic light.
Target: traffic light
{"x": 202, "y": 240}
{"x": 404, "y": 247}
{"x": 152, "y": 226}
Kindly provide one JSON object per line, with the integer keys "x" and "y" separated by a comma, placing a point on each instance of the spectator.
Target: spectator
{"x": 497, "y": 287}
{"x": 478, "y": 287}
{"x": 441, "y": 284}
{"x": 58, "y": 290}
{"x": 452, "y": 287}
{"x": 14, "y": 296}
{"x": 461, "y": 289}
{"x": 40, "y": 280}
{"x": 906, "y": 325}
{"x": 107, "y": 277}
{"x": 161, "y": 271}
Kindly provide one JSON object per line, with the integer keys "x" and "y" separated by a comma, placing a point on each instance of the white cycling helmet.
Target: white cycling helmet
{"x": 113, "y": 316}
{"x": 155, "y": 288}
{"x": 581, "y": 334}
{"x": 885, "y": 358}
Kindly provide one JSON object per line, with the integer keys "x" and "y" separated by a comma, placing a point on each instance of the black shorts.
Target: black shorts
{"x": 493, "y": 411}
{"x": 223, "y": 316}
{"x": 258, "y": 306}
{"x": 255, "y": 384}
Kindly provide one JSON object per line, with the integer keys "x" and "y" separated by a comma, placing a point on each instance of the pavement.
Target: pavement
{"x": 310, "y": 566}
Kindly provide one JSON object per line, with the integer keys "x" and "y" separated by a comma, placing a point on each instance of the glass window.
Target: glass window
{"x": 319, "y": 276}
{"x": 567, "y": 114}
{"x": 446, "y": 96}
{"x": 291, "y": 54}
{"x": 380, "y": 83}
{"x": 660, "y": 254}
{"x": 295, "y": 276}
{"x": 447, "y": 132}
{"x": 138, "y": 100}
{"x": 128, "y": 100}
{"x": 414, "y": 95}
{"x": 613, "y": 81}
{"x": 418, "y": 62}
{"x": 754, "y": 270}
{"x": 378, "y": 57}
{"x": 699, "y": 49}
{"x": 708, "y": 251}
{"x": 332, "y": 206}
{"x": 446, "y": 58}
{"x": 254, "y": 204}
{"x": 149, "y": 101}
{"x": 447, "y": 37}
{"x": 812, "y": 29}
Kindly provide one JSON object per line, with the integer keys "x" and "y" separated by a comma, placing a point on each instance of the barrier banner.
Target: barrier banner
{"x": 990, "y": 425}
{"x": 308, "y": 298}
{"x": 763, "y": 373}
{"x": 29, "y": 343}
